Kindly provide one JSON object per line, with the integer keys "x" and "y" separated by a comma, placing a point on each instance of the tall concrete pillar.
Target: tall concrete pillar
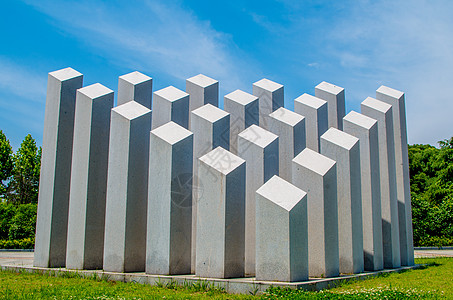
{"x": 281, "y": 232}
{"x": 334, "y": 95}
{"x": 54, "y": 182}
{"x": 168, "y": 242}
{"x": 396, "y": 100}
{"x": 137, "y": 87}
{"x": 316, "y": 123}
{"x": 202, "y": 90}
{"x": 382, "y": 112}
{"x": 365, "y": 129}
{"x": 271, "y": 98}
{"x": 127, "y": 189}
{"x": 345, "y": 150}
{"x": 244, "y": 112}
{"x": 290, "y": 128}
{"x": 90, "y": 153}
{"x": 317, "y": 174}
{"x": 170, "y": 104}
{"x": 221, "y": 217}
{"x": 259, "y": 148}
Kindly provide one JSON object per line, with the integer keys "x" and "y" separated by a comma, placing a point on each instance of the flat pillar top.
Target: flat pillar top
{"x": 377, "y": 105}
{"x": 314, "y": 161}
{"x": 340, "y": 138}
{"x": 281, "y": 192}
{"x": 65, "y": 74}
{"x": 258, "y": 136}
{"x": 131, "y": 110}
{"x": 95, "y": 90}
{"x": 171, "y": 93}
{"x": 286, "y": 116}
{"x": 310, "y": 100}
{"x": 210, "y": 113}
{"x": 135, "y": 77}
{"x": 222, "y": 160}
{"x": 359, "y": 119}
{"x": 268, "y": 85}
{"x": 171, "y": 132}
{"x": 389, "y": 91}
{"x": 202, "y": 80}
{"x": 241, "y": 97}
{"x": 329, "y": 87}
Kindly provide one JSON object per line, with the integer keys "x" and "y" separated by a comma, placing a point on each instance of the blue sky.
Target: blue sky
{"x": 359, "y": 45}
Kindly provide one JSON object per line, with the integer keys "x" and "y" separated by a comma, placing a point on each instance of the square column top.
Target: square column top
{"x": 65, "y": 74}
{"x": 135, "y": 77}
{"x": 330, "y": 88}
{"x": 258, "y": 136}
{"x": 359, "y": 119}
{"x": 377, "y": 105}
{"x": 95, "y": 90}
{"x": 131, "y": 110}
{"x": 268, "y": 85}
{"x": 171, "y": 93}
{"x": 210, "y": 113}
{"x": 311, "y": 101}
{"x": 340, "y": 138}
{"x": 314, "y": 161}
{"x": 389, "y": 91}
{"x": 286, "y": 116}
{"x": 202, "y": 80}
{"x": 281, "y": 192}
{"x": 222, "y": 160}
{"x": 171, "y": 132}
{"x": 241, "y": 97}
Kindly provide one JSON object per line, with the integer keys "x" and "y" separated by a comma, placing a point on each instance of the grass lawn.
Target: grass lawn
{"x": 432, "y": 282}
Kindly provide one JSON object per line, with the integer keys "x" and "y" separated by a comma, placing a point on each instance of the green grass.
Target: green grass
{"x": 432, "y": 282}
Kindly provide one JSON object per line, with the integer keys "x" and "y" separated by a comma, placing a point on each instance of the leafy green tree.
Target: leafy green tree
{"x": 6, "y": 163}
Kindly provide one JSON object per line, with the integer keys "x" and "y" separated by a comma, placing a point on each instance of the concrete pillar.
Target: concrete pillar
{"x": 345, "y": 150}
{"x": 315, "y": 112}
{"x": 90, "y": 153}
{"x": 244, "y": 112}
{"x": 317, "y": 174}
{"x": 382, "y": 112}
{"x": 290, "y": 128}
{"x": 221, "y": 217}
{"x": 281, "y": 232}
{"x": 365, "y": 129}
{"x": 202, "y": 90}
{"x": 170, "y": 104}
{"x": 211, "y": 128}
{"x": 270, "y": 96}
{"x": 259, "y": 148}
{"x": 334, "y": 95}
{"x": 54, "y": 182}
{"x": 168, "y": 242}
{"x": 135, "y": 86}
{"x": 127, "y": 189}
{"x": 396, "y": 100}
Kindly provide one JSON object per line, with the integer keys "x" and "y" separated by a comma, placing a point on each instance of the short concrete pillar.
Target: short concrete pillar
{"x": 396, "y": 100}
{"x": 317, "y": 174}
{"x": 281, "y": 232}
{"x": 221, "y": 215}
{"x": 135, "y": 86}
{"x": 259, "y": 148}
{"x": 271, "y": 98}
{"x": 170, "y": 104}
{"x": 168, "y": 242}
{"x": 382, "y": 112}
{"x": 202, "y": 90}
{"x": 211, "y": 128}
{"x": 365, "y": 129}
{"x": 290, "y": 128}
{"x": 345, "y": 150}
{"x": 334, "y": 95}
{"x": 244, "y": 112}
{"x": 315, "y": 112}
{"x": 55, "y": 177}
{"x": 127, "y": 189}
{"x": 90, "y": 153}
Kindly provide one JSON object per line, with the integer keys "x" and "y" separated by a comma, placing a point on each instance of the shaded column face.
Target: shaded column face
{"x": 271, "y": 97}
{"x": 334, "y": 95}
{"x": 202, "y": 90}
{"x": 137, "y": 87}
{"x": 170, "y": 104}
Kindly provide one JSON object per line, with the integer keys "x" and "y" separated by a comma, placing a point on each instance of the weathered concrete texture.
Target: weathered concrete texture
{"x": 316, "y": 123}
{"x": 259, "y": 148}
{"x": 271, "y": 98}
{"x": 127, "y": 188}
{"x": 365, "y": 129}
{"x": 135, "y": 86}
{"x": 221, "y": 217}
{"x": 211, "y": 128}
{"x": 396, "y": 100}
{"x": 382, "y": 112}
{"x": 334, "y": 95}
{"x": 170, "y": 104}
{"x": 317, "y": 174}
{"x": 290, "y": 128}
{"x": 168, "y": 242}
{"x": 202, "y": 90}
{"x": 244, "y": 112}
{"x": 281, "y": 232}
{"x": 90, "y": 153}
{"x": 345, "y": 150}
{"x": 53, "y": 198}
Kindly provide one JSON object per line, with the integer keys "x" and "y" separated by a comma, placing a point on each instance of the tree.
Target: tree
{"x": 6, "y": 163}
